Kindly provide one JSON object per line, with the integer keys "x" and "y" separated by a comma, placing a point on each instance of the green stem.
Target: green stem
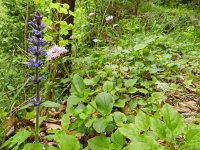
{"x": 37, "y": 125}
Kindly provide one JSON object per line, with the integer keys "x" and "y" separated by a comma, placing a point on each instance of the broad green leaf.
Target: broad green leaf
{"x": 17, "y": 139}
{"x": 100, "y": 125}
{"x": 89, "y": 82}
{"x": 114, "y": 146}
{"x": 144, "y": 143}
{"x": 78, "y": 86}
{"x": 73, "y": 100}
{"x": 118, "y": 138}
{"x": 192, "y": 138}
{"x": 132, "y": 90}
{"x": 50, "y": 104}
{"x": 133, "y": 104}
{"x": 129, "y": 130}
{"x": 66, "y": 6}
{"x": 140, "y": 46}
{"x": 104, "y": 103}
{"x": 65, "y": 122}
{"x": 52, "y": 148}
{"x": 130, "y": 82}
{"x": 142, "y": 121}
{"x": 159, "y": 127}
{"x": 33, "y": 146}
{"x": 10, "y": 87}
{"x": 119, "y": 118}
{"x": 63, "y": 10}
{"x": 54, "y": 6}
{"x": 171, "y": 117}
{"x": 99, "y": 143}
{"x": 120, "y": 103}
{"x": 108, "y": 86}
{"x": 65, "y": 142}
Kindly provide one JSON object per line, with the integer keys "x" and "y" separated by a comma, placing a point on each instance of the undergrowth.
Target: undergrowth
{"x": 122, "y": 89}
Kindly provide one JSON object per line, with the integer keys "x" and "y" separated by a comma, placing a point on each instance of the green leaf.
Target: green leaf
{"x": 17, "y": 139}
{"x": 108, "y": 86}
{"x": 100, "y": 125}
{"x": 132, "y": 90}
{"x": 118, "y": 138}
{"x": 99, "y": 143}
{"x": 192, "y": 138}
{"x": 65, "y": 142}
{"x": 10, "y": 87}
{"x": 171, "y": 117}
{"x": 130, "y": 82}
{"x": 140, "y": 46}
{"x": 89, "y": 82}
{"x": 78, "y": 86}
{"x": 120, "y": 103}
{"x": 129, "y": 130}
{"x": 104, "y": 103}
{"x": 63, "y": 10}
{"x": 54, "y": 6}
{"x": 33, "y": 146}
{"x": 50, "y": 104}
{"x": 52, "y": 148}
{"x": 142, "y": 121}
{"x": 144, "y": 142}
{"x": 73, "y": 100}
{"x": 119, "y": 118}
{"x": 65, "y": 122}
{"x": 159, "y": 127}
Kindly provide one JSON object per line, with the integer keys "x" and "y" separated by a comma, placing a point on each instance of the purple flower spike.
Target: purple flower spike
{"x": 31, "y": 24}
{"x": 35, "y": 102}
{"x": 37, "y": 18}
{"x": 37, "y": 33}
{"x": 36, "y": 81}
{"x": 42, "y": 26}
{"x": 36, "y": 48}
{"x": 41, "y": 42}
{"x": 33, "y": 63}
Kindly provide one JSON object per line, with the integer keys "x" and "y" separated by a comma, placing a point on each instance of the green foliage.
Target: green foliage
{"x": 123, "y": 72}
{"x": 19, "y": 138}
{"x": 32, "y": 146}
{"x": 104, "y": 103}
{"x": 99, "y": 143}
{"x": 50, "y": 104}
{"x": 65, "y": 142}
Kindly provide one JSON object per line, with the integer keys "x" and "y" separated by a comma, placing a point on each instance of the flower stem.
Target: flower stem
{"x": 37, "y": 99}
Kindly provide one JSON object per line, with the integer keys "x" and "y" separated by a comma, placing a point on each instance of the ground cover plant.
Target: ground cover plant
{"x": 118, "y": 75}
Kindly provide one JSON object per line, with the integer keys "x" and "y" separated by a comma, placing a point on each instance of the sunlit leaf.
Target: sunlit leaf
{"x": 99, "y": 143}
{"x": 104, "y": 103}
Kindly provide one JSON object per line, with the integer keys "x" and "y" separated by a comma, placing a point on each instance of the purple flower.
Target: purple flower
{"x": 31, "y": 24}
{"x": 41, "y": 42}
{"x": 37, "y": 33}
{"x": 33, "y": 49}
{"x": 37, "y": 41}
{"x": 33, "y": 63}
{"x": 32, "y": 78}
{"x": 42, "y": 26}
{"x": 37, "y": 18}
{"x": 35, "y": 102}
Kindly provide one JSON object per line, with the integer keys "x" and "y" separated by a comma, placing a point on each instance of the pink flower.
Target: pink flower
{"x": 55, "y": 52}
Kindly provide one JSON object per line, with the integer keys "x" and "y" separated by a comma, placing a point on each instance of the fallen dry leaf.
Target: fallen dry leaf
{"x": 184, "y": 107}
{"x": 52, "y": 126}
{"x": 10, "y": 131}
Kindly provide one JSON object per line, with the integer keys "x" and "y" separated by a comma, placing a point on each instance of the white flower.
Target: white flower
{"x": 109, "y": 18}
{"x": 91, "y": 14}
{"x": 55, "y": 52}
